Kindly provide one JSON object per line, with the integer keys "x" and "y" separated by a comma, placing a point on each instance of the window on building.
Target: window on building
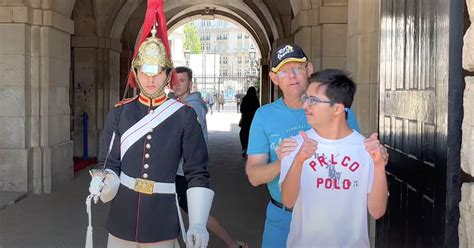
{"x": 239, "y": 60}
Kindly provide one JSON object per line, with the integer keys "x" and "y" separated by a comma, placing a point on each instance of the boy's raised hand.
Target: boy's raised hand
{"x": 308, "y": 148}
{"x": 376, "y": 150}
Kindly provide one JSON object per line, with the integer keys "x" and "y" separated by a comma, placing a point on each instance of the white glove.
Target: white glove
{"x": 95, "y": 187}
{"x": 111, "y": 186}
{"x": 199, "y": 206}
{"x": 197, "y": 236}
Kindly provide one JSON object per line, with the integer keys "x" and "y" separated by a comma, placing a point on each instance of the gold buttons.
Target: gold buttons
{"x": 145, "y": 175}
{"x": 147, "y": 156}
{"x": 148, "y": 146}
{"x": 148, "y": 137}
{"x": 152, "y": 111}
{"x": 146, "y": 166}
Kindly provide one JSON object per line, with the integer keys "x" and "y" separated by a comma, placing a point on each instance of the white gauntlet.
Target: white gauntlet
{"x": 104, "y": 184}
{"x": 111, "y": 186}
{"x": 199, "y": 206}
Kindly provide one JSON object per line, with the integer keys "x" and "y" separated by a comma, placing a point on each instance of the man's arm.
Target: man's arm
{"x": 290, "y": 187}
{"x": 259, "y": 171}
{"x": 378, "y": 196}
{"x": 291, "y": 181}
{"x": 110, "y": 127}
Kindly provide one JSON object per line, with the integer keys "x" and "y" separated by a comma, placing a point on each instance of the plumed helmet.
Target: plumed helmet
{"x": 152, "y": 54}
{"x": 152, "y": 58}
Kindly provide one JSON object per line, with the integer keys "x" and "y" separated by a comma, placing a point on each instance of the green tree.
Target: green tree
{"x": 191, "y": 38}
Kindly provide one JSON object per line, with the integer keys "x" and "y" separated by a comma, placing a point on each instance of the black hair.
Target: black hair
{"x": 339, "y": 86}
{"x": 251, "y": 91}
{"x": 181, "y": 69}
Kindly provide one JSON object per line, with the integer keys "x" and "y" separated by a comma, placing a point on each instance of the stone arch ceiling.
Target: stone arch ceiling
{"x": 262, "y": 38}
{"x": 263, "y": 18}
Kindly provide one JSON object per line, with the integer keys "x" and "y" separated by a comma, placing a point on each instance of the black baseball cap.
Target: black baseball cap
{"x": 287, "y": 53}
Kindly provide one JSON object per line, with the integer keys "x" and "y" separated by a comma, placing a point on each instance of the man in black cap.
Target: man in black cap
{"x": 272, "y": 124}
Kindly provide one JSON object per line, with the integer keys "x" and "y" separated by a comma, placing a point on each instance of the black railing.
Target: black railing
{"x": 229, "y": 86}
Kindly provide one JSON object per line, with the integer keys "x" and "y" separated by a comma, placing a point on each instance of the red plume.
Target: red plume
{"x": 154, "y": 13}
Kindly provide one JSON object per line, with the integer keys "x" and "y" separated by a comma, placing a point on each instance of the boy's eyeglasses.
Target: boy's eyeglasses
{"x": 312, "y": 100}
{"x": 294, "y": 70}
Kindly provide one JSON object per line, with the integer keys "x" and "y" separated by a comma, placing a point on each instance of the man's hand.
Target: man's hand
{"x": 376, "y": 150}
{"x": 197, "y": 236}
{"x": 308, "y": 148}
{"x": 285, "y": 147}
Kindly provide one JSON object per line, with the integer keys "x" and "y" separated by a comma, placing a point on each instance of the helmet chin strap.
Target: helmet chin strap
{"x": 159, "y": 92}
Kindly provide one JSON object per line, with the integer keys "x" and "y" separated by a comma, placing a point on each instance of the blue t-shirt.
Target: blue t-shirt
{"x": 274, "y": 122}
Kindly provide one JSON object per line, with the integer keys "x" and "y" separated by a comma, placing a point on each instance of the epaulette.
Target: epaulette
{"x": 125, "y": 101}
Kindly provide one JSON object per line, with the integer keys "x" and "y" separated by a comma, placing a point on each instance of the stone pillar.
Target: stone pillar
{"x": 466, "y": 209}
{"x": 96, "y": 87}
{"x": 362, "y": 60}
{"x": 35, "y": 148}
{"x": 466, "y": 206}
{"x": 306, "y": 29}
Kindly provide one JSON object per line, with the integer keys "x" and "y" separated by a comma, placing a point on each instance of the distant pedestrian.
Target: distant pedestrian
{"x": 250, "y": 104}
{"x": 220, "y": 101}
{"x": 238, "y": 100}
{"x": 210, "y": 101}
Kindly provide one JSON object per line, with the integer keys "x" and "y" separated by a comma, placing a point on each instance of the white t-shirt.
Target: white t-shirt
{"x": 331, "y": 208}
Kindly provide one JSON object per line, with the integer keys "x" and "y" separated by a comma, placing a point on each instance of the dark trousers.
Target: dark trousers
{"x": 244, "y": 137}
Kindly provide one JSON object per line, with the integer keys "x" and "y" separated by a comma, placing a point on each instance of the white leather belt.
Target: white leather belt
{"x": 146, "y": 186}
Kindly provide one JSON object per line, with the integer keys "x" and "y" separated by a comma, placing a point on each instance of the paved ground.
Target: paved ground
{"x": 59, "y": 220}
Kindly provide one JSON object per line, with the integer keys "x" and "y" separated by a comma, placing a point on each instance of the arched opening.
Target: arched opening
{"x": 263, "y": 33}
{"x": 224, "y": 58}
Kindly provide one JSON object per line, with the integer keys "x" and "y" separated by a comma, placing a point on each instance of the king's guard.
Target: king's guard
{"x": 141, "y": 146}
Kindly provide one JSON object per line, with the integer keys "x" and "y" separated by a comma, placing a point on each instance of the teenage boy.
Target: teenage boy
{"x": 334, "y": 175}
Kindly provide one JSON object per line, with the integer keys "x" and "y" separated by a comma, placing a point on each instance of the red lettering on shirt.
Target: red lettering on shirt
{"x": 322, "y": 161}
{"x": 319, "y": 181}
{"x": 332, "y": 159}
{"x": 346, "y": 184}
{"x": 344, "y": 163}
{"x": 329, "y": 183}
{"x": 312, "y": 164}
{"x": 354, "y": 166}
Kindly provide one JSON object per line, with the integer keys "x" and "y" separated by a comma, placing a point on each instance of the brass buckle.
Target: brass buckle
{"x": 144, "y": 186}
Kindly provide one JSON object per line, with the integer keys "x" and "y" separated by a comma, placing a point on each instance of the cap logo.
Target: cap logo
{"x": 284, "y": 51}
